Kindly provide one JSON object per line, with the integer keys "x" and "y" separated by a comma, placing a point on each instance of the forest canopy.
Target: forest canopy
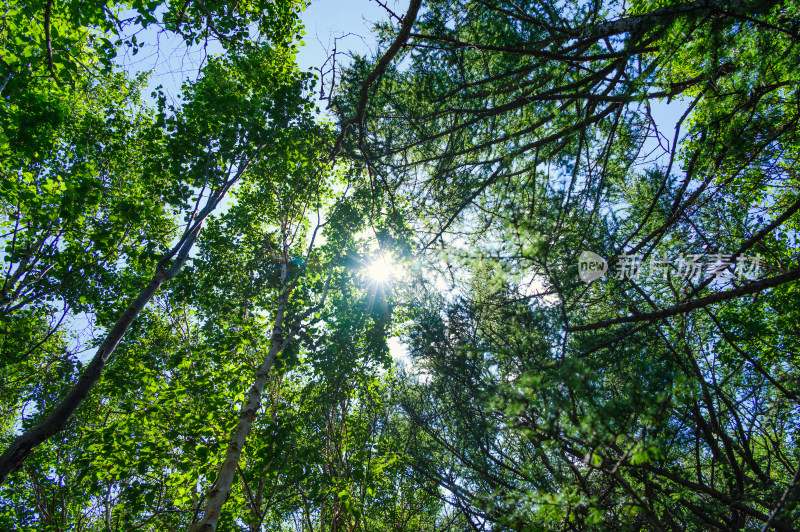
{"x": 524, "y": 266}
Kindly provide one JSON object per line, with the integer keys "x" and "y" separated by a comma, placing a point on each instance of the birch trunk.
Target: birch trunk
{"x": 221, "y": 490}
{"x": 25, "y": 443}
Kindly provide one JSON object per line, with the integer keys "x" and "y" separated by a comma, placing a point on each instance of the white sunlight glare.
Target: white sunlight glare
{"x": 381, "y": 270}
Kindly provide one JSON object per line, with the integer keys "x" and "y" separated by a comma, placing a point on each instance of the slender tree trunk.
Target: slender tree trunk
{"x": 54, "y": 423}
{"x": 281, "y": 336}
{"x": 6, "y": 79}
{"x": 221, "y": 490}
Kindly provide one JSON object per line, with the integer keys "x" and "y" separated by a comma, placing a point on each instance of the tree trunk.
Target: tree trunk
{"x": 25, "y": 443}
{"x": 221, "y": 490}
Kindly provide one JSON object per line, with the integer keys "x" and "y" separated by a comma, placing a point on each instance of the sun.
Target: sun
{"x": 381, "y": 270}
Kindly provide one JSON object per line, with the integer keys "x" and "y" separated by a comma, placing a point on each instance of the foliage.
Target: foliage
{"x": 253, "y": 387}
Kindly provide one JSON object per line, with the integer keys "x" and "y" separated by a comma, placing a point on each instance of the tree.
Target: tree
{"x": 489, "y": 145}
{"x": 527, "y": 133}
{"x": 206, "y": 154}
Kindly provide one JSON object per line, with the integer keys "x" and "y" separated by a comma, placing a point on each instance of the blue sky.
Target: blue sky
{"x": 328, "y": 19}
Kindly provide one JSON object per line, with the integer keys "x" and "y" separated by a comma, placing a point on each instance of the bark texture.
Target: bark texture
{"x": 221, "y": 490}
{"x": 25, "y": 443}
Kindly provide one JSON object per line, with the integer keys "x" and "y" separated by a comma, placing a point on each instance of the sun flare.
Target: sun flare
{"x": 381, "y": 270}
